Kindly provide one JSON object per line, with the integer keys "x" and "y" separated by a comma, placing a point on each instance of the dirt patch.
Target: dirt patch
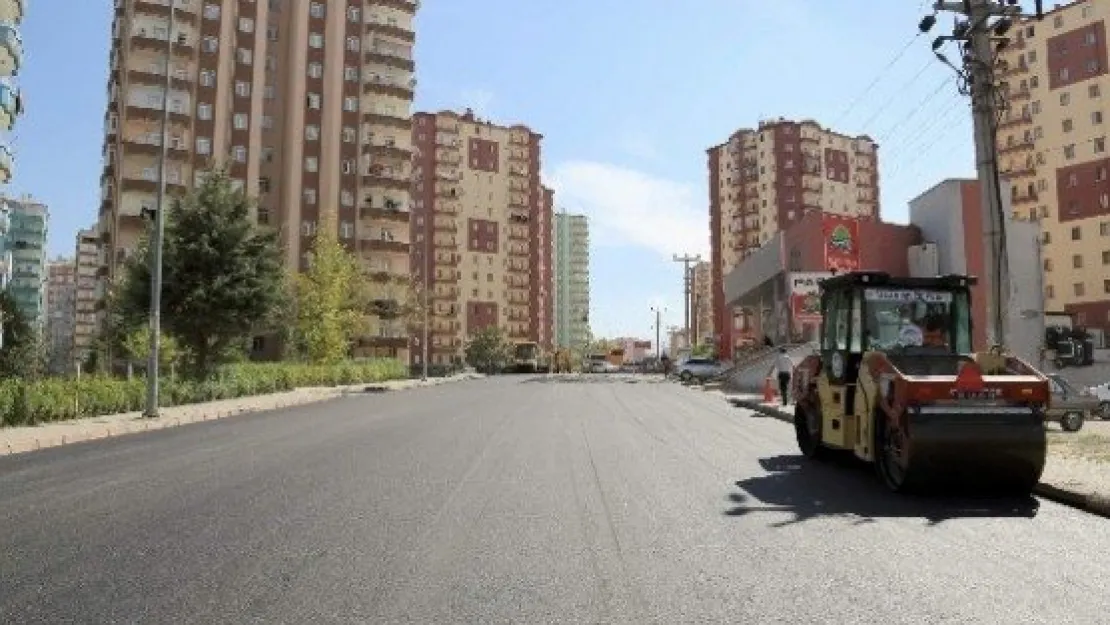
{"x": 1080, "y": 445}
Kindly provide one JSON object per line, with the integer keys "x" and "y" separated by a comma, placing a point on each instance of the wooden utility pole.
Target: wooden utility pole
{"x": 688, "y": 262}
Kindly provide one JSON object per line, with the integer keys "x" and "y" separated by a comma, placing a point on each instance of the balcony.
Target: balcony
{"x": 384, "y": 211}
{"x": 398, "y": 121}
{"x": 155, "y": 76}
{"x": 391, "y": 55}
{"x": 389, "y": 30}
{"x": 11, "y": 106}
{"x": 386, "y": 180}
{"x": 11, "y": 49}
{"x": 387, "y": 150}
{"x": 380, "y": 245}
{"x": 390, "y": 86}
{"x": 7, "y": 163}
{"x": 151, "y": 144}
{"x": 12, "y": 11}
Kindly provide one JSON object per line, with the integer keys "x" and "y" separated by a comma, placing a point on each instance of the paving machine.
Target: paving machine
{"x": 896, "y": 382}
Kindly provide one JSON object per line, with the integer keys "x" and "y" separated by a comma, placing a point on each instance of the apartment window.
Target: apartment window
{"x": 239, "y": 154}
{"x": 1104, "y": 228}
{"x": 349, "y": 166}
{"x": 316, "y": 40}
{"x": 1093, "y": 91}
{"x": 1067, "y": 125}
{"x": 350, "y": 104}
{"x": 204, "y": 146}
{"x": 346, "y": 198}
{"x": 353, "y": 14}
{"x": 246, "y": 25}
{"x": 272, "y": 33}
{"x": 353, "y": 44}
{"x": 308, "y": 228}
{"x": 207, "y": 78}
{"x": 1065, "y": 98}
{"x": 309, "y": 196}
{"x": 347, "y": 230}
{"x": 315, "y": 70}
{"x": 1092, "y": 66}
{"x": 210, "y": 45}
{"x": 311, "y": 132}
{"x": 1106, "y": 257}
{"x": 316, "y": 9}
{"x": 240, "y": 121}
{"x": 1077, "y": 261}
{"x": 1078, "y": 289}
{"x": 314, "y": 100}
{"x": 1100, "y": 144}
{"x": 243, "y": 89}
{"x": 349, "y": 135}
{"x": 244, "y": 56}
{"x": 1075, "y": 233}
{"x": 267, "y": 121}
{"x": 311, "y": 164}
{"x": 1096, "y": 117}
{"x": 211, "y": 11}
{"x": 1064, "y": 75}
{"x": 1069, "y": 151}
{"x": 1047, "y": 264}
{"x": 204, "y": 111}
{"x": 1049, "y": 292}
{"x": 263, "y": 184}
{"x": 263, "y": 216}
{"x": 1106, "y": 286}
{"x": 269, "y": 92}
{"x": 350, "y": 73}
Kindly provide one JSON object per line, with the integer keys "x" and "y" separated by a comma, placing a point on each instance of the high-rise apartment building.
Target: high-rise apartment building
{"x": 1053, "y": 151}
{"x": 571, "y": 285}
{"x": 481, "y": 231}
{"x": 11, "y": 60}
{"x": 61, "y": 306}
{"x": 86, "y": 292}
{"x": 23, "y": 248}
{"x": 308, "y": 104}
{"x": 766, "y": 179}
{"x": 702, "y": 310}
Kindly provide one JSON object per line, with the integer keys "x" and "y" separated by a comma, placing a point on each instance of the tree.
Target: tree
{"x": 330, "y": 306}
{"x": 137, "y": 347}
{"x": 22, "y": 354}
{"x": 224, "y": 278}
{"x": 488, "y": 350}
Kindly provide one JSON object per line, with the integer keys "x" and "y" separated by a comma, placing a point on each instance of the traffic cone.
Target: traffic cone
{"x": 768, "y": 391}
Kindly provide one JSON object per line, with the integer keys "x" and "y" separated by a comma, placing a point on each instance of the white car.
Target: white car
{"x": 1102, "y": 392}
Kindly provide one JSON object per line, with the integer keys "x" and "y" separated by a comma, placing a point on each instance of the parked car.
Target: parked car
{"x": 1102, "y": 392}
{"x": 700, "y": 369}
{"x": 1070, "y": 406}
{"x": 600, "y": 366}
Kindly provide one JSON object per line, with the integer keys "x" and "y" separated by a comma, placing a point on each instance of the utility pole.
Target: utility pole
{"x": 428, "y": 250}
{"x": 156, "y": 240}
{"x": 658, "y": 323}
{"x": 687, "y": 285}
{"x": 979, "y": 31}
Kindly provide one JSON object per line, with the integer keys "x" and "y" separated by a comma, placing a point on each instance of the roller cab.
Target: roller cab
{"x": 896, "y": 382}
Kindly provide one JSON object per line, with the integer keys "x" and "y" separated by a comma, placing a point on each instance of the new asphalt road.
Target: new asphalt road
{"x": 516, "y": 500}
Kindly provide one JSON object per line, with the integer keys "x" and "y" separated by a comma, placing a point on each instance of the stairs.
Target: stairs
{"x": 748, "y": 374}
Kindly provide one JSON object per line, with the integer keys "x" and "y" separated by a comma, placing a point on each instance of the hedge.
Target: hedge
{"x": 61, "y": 399}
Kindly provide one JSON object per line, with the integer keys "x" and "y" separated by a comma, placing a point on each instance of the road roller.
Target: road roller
{"x": 896, "y": 382}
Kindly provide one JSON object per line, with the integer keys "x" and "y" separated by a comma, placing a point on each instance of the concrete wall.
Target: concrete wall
{"x": 883, "y": 245}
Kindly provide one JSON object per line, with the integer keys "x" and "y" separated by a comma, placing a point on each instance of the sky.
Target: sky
{"x": 627, "y": 101}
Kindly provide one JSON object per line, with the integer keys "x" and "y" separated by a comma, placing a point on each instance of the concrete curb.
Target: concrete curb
{"x": 89, "y": 429}
{"x": 1090, "y": 503}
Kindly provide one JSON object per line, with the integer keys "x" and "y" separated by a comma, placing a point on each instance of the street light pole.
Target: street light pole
{"x": 156, "y": 240}
{"x": 658, "y": 323}
{"x": 427, "y": 299}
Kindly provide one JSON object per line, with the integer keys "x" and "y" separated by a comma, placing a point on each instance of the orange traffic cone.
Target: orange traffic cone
{"x": 768, "y": 391}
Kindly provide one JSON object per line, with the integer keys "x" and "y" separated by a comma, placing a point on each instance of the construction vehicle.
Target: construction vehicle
{"x": 1069, "y": 346}
{"x": 529, "y": 357}
{"x": 896, "y": 382}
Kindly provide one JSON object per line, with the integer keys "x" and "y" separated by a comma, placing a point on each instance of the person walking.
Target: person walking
{"x": 783, "y": 368}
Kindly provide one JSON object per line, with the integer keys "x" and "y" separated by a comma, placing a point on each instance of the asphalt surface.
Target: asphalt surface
{"x": 516, "y": 500}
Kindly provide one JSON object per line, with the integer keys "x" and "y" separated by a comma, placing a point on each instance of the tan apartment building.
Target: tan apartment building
{"x": 765, "y": 179}
{"x": 307, "y": 102}
{"x": 702, "y": 306}
{"x": 481, "y": 231}
{"x": 61, "y": 309}
{"x": 1053, "y": 154}
{"x": 87, "y": 259}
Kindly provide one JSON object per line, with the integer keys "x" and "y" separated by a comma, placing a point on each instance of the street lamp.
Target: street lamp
{"x": 156, "y": 240}
{"x": 658, "y": 310}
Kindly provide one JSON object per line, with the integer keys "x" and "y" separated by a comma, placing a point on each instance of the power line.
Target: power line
{"x": 924, "y": 150}
{"x": 956, "y": 105}
{"x": 875, "y": 81}
{"x": 916, "y": 109}
{"x": 897, "y": 94}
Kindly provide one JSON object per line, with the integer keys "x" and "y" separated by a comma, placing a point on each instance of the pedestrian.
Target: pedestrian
{"x": 783, "y": 367}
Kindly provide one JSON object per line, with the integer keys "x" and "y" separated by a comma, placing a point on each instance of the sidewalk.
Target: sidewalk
{"x": 1071, "y": 478}
{"x": 23, "y": 439}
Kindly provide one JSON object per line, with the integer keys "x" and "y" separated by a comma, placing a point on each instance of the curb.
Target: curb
{"x": 113, "y": 430}
{"x": 1091, "y": 504}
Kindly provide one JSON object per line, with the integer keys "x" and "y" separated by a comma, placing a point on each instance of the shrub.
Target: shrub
{"x": 48, "y": 400}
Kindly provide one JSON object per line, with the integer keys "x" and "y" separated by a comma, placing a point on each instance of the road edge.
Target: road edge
{"x": 122, "y": 424}
{"x": 1091, "y": 504}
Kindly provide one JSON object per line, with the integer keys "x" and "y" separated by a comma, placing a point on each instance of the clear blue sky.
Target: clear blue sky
{"x": 627, "y": 101}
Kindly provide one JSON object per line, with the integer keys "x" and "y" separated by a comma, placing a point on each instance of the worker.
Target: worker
{"x": 934, "y": 335}
{"x": 782, "y": 369}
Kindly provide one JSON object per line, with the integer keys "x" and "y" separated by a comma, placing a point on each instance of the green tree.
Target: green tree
{"x": 224, "y": 278}
{"x": 22, "y": 354}
{"x": 137, "y": 347}
{"x": 488, "y": 350}
{"x": 330, "y": 303}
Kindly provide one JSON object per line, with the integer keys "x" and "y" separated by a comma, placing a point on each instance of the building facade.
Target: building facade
{"x": 306, "y": 103}
{"x": 767, "y": 179}
{"x": 87, "y": 259}
{"x": 702, "y": 306}
{"x": 23, "y": 248}
{"x": 61, "y": 308}
{"x": 571, "y": 284}
{"x": 481, "y": 231}
{"x": 1053, "y": 155}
